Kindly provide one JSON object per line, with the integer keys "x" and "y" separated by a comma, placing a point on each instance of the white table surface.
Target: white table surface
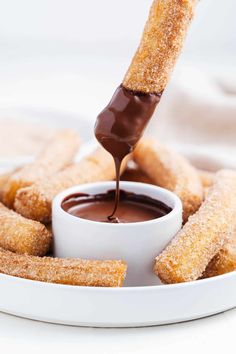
{"x": 55, "y": 82}
{"x": 214, "y": 334}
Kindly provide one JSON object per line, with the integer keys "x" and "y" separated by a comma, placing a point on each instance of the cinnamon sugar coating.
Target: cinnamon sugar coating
{"x": 58, "y": 153}
{"x": 170, "y": 170}
{"x": 225, "y": 260}
{"x": 21, "y": 235}
{"x": 202, "y": 237}
{"x": 35, "y": 202}
{"x": 160, "y": 46}
{"x": 63, "y": 271}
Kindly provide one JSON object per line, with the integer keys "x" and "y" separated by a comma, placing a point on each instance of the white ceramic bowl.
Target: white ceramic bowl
{"x": 136, "y": 243}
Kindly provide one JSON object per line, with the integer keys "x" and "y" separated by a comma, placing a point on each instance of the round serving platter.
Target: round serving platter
{"x": 119, "y": 307}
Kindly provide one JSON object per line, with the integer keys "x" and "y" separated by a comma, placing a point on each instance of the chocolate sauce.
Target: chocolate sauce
{"x": 121, "y": 124}
{"x": 132, "y": 207}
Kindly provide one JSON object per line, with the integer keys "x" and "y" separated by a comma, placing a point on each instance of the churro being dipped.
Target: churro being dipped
{"x": 170, "y": 170}
{"x": 225, "y": 260}
{"x": 122, "y": 123}
{"x": 203, "y": 236}
{"x": 58, "y": 153}
{"x": 35, "y": 202}
{"x": 63, "y": 271}
{"x": 21, "y": 235}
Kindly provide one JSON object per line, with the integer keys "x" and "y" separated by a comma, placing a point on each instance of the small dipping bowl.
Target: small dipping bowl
{"x": 136, "y": 243}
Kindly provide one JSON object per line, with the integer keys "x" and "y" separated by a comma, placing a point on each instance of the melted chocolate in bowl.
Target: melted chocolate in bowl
{"x": 121, "y": 124}
{"x": 132, "y": 207}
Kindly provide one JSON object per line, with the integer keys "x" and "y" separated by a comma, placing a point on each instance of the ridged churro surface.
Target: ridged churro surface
{"x": 58, "y": 153}
{"x": 35, "y": 202}
{"x": 21, "y": 235}
{"x": 160, "y": 45}
{"x": 63, "y": 271}
{"x": 202, "y": 237}
{"x": 225, "y": 260}
{"x": 170, "y": 170}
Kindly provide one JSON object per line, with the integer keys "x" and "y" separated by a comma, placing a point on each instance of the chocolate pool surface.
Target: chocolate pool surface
{"x": 132, "y": 207}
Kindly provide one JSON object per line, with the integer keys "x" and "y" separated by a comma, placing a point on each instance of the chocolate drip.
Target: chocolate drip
{"x": 121, "y": 124}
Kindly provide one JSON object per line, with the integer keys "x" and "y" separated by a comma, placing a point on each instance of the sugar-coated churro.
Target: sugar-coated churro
{"x": 160, "y": 46}
{"x": 63, "y": 271}
{"x": 170, "y": 170}
{"x": 225, "y": 260}
{"x": 35, "y": 202}
{"x": 202, "y": 237}
{"x": 58, "y": 153}
{"x": 21, "y": 235}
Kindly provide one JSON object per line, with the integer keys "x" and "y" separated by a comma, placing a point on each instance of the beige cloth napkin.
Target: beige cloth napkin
{"x": 198, "y": 114}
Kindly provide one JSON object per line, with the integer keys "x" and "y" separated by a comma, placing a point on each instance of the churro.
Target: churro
{"x": 160, "y": 46}
{"x": 202, "y": 237}
{"x": 35, "y": 202}
{"x": 170, "y": 170}
{"x": 67, "y": 271}
{"x": 58, "y": 153}
{"x": 225, "y": 260}
{"x": 21, "y": 235}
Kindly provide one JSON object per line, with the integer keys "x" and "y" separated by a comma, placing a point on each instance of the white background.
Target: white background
{"x": 57, "y": 54}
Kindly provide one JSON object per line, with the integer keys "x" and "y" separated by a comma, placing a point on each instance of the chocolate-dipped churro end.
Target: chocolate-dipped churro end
{"x": 121, "y": 124}
{"x": 160, "y": 45}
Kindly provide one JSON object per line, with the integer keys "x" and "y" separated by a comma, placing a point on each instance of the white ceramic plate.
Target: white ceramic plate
{"x": 119, "y": 307}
